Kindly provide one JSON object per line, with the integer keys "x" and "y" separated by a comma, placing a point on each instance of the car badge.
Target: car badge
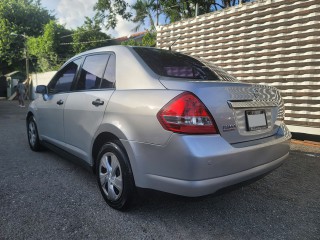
{"x": 255, "y": 92}
{"x": 229, "y": 127}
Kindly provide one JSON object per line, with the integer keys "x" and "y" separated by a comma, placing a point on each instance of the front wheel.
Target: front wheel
{"x": 33, "y": 137}
{"x": 114, "y": 176}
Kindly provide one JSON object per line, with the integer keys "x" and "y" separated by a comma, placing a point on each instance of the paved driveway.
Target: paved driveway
{"x": 43, "y": 196}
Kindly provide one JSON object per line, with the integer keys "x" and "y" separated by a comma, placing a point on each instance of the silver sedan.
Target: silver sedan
{"x": 158, "y": 119}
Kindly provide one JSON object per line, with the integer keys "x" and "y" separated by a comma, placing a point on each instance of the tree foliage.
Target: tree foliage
{"x": 89, "y": 36}
{"x": 57, "y": 44}
{"x": 5, "y": 41}
{"x": 22, "y": 17}
{"x": 25, "y": 16}
{"x": 108, "y": 10}
{"x": 148, "y": 40}
{"x": 26, "y": 23}
{"x": 144, "y": 9}
{"x": 131, "y": 42}
{"x": 47, "y": 50}
{"x": 175, "y": 10}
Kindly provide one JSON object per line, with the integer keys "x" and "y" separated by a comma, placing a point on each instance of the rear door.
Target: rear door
{"x": 86, "y": 105}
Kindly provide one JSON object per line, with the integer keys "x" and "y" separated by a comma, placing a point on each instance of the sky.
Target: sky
{"x": 72, "y": 13}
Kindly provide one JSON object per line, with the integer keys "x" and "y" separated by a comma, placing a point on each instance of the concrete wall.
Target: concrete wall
{"x": 275, "y": 42}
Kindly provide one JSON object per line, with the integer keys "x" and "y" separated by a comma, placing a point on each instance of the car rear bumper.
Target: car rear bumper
{"x": 199, "y": 165}
{"x": 205, "y": 187}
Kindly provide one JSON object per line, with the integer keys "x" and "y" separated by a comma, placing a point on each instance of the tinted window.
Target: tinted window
{"x": 172, "y": 64}
{"x": 62, "y": 82}
{"x": 92, "y": 71}
{"x": 222, "y": 74}
{"x": 109, "y": 77}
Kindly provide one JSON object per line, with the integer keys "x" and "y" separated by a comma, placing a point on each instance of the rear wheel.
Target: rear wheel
{"x": 114, "y": 176}
{"x": 33, "y": 137}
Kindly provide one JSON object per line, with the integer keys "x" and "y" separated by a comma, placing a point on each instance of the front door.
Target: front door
{"x": 50, "y": 108}
{"x": 50, "y": 115}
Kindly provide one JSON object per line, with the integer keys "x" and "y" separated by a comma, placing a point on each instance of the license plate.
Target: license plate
{"x": 256, "y": 120}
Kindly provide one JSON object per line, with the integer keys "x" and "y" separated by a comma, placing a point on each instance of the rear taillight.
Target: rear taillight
{"x": 186, "y": 114}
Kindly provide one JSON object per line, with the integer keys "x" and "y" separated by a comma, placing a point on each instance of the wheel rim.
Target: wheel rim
{"x": 32, "y": 133}
{"x": 111, "y": 176}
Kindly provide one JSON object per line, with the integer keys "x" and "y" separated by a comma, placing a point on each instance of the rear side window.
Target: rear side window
{"x": 172, "y": 64}
{"x": 109, "y": 76}
{"x": 62, "y": 81}
{"x": 92, "y": 72}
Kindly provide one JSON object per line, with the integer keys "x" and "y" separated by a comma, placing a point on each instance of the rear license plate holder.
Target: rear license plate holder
{"x": 256, "y": 120}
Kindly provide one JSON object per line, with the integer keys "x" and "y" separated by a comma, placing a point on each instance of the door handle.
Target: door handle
{"x": 97, "y": 102}
{"x": 60, "y": 102}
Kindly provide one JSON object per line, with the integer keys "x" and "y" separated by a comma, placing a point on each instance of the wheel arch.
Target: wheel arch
{"x": 112, "y": 145}
{"x": 100, "y": 140}
{"x": 29, "y": 114}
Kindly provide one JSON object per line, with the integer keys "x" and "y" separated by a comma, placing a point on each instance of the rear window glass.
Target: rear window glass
{"x": 172, "y": 64}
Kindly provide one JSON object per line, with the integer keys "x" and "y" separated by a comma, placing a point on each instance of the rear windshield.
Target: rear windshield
{"x": 172, "y": 64}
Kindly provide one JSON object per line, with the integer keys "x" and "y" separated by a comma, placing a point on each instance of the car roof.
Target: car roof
{"x": 128, "y": 64}
{"x": 113, "y": 48}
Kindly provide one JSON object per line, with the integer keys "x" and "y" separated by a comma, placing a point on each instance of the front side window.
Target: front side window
{"x": 92, "y": 72}
{"x": 62, "y": 81}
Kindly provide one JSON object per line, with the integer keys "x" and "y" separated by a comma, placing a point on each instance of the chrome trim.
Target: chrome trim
{"x": 252, "y": 104}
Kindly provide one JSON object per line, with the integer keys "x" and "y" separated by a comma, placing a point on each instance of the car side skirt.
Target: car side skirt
{"x": 67, "y": 155}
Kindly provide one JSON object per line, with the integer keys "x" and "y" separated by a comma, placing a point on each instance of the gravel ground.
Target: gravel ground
{"x": 43, "y": 196}
{"x": 315, "y": 148}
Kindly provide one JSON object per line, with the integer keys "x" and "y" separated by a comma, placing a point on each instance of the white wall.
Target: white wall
{"x": 274, "y": 42}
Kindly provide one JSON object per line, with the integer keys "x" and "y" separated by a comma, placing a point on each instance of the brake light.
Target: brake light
{"x": 186, "y": 114}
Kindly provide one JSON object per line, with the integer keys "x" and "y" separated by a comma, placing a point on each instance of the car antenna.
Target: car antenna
{"x": 174, "y": 42}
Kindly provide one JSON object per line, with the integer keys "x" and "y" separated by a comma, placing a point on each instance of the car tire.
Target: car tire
{"x": 33, "y": 136}
{"x": 114, "y": 175}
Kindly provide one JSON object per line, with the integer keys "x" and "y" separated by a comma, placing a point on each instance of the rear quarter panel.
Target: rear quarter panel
{"x": 131, "y": 115}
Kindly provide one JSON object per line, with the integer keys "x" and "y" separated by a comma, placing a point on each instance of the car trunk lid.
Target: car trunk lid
{"x": 243, "y": 112}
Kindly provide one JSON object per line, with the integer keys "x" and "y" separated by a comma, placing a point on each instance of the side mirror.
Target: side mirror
{"x": 42, "y": 89}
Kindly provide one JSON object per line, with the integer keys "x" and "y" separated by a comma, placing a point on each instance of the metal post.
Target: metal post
{"x": 29, "y": 90}
{"x": 197, "y": 9}
{"x": 157, "y": 20}
{"x": 27, "y": 56}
